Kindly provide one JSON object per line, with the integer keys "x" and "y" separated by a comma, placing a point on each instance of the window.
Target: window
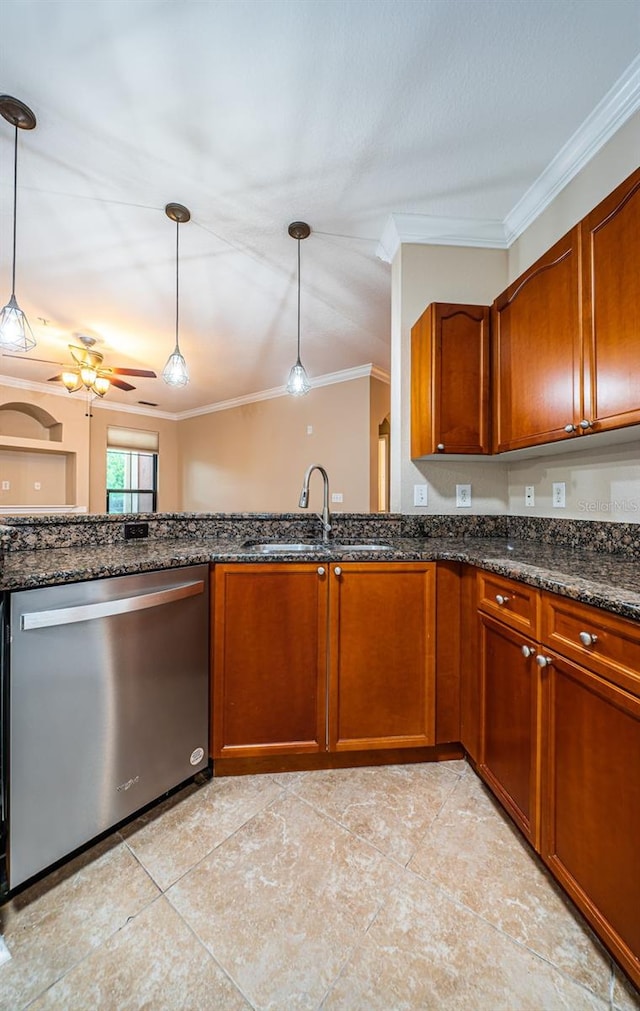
{"x": 132, "y": 480}
{"x": 132, "y": 470}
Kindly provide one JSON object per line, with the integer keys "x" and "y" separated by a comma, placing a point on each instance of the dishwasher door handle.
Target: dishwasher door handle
{"x": 106, "y": 608}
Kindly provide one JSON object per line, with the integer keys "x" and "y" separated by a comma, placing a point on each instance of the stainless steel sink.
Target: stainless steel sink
{"x": 364, "y": 546}
{"x": 299, "y": 547}
{"x": 281, "y": 547}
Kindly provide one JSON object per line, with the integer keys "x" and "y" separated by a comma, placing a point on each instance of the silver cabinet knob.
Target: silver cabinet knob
{"x": 440, "y": 447}
{"x": 569, "y": 429}
{"x": 528, "y": 651}
{"x": 338, "y": 570}
{"x": 587, "y": 639}
{"x": 544, "y": 661}
{"x": 321, "y": 570}
{"x": 501, "y": 600}
{"x": 584, "y": 424}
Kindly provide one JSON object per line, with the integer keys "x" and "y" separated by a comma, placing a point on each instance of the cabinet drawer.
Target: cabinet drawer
{"x": 600, "y": 641}
{"x": 513, "y": 603}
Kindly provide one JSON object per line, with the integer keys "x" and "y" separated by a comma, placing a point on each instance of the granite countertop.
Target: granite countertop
{"x": 604, "y": 580}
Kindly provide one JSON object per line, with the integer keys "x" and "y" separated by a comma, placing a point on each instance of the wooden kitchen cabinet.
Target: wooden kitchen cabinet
{"x": 611, "y": 307}
{"x": 591, "y": 802}
{"x": 271, "y": 634}
{"x": 269, "y": 648}
{"x": 450, "y": 361}
{"x": 537, "y": 343}
{"x": 510, "y": 712}
{"x": 381, "y": 657}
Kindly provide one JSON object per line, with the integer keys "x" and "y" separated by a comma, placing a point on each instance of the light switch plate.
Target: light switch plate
{"x": 420, "y": 494}
{"x": 529, "y": 495}
{"x": 337, "y": 496}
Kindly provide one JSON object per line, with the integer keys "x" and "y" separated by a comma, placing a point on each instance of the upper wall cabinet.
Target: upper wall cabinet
{"x": 537, "y": 340}
{"x": 450, "y": 380}
{"x": 611, "y": 294}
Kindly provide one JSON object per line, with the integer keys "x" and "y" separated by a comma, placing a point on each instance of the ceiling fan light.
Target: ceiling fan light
{"x": 88, "y": 375}
{"x": 298, "y": 383}
{"x": 175, "y": 371}
{"x": 15, "y": 332}
{"x": 101, "y": 385}
{"x": 71, "y": 381}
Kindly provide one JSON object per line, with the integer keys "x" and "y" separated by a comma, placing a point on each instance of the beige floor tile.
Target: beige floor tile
{"x": 472, "y": 852}
{"x": 282, "y": 903}
{"x": 55, "y": 923}
{"x": 171, "y": 839}
{"x": 424, "y": 952}
{"x": 626, "y": 997}
{"x": 154, "y": 962}
{"x": 390, "y": 806}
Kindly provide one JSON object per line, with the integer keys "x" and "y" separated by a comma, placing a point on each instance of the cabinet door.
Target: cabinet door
{"x": 450, "y": 380}
{"x": 591, "y": 813}
{"x": 611, "y": 292}
{"x": 537, "y": 343}
{"x": 269, "y": 660}
{"x": 510, "y": 723}
{"x": 382, "y": 678}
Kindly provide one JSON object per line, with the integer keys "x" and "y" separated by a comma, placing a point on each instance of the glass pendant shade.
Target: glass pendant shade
{"x": 88, "y": 375}
{"x": 175, "y": 371}
{"x": 71, "y": 381}
{"x": 101, "y": 385}
{"x": 298, "y": 383}
{"x": 15, "y": 332}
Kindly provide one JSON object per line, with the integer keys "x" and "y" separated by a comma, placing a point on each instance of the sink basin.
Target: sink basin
{"x": 364, "y": 546}
{"x": 280, "y": 547}
{"x": 294, "y": 547}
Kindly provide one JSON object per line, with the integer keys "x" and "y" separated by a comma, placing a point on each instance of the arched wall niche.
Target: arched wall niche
{"x": 28, "y": 421}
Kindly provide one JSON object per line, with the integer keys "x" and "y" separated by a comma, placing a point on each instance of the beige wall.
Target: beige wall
{"x": 252, "y": 458}
{"x": 60, "y": 467}
{"x": 600, "y": 483}
{"x": 420, "y": 275}
{"x": 168, "y": 476}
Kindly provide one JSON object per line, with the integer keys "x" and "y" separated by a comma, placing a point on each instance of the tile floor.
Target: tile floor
{"x": 394, "y": 888}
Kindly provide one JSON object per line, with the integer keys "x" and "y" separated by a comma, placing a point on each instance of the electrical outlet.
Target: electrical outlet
{"x": 420, "y": 494}
{"x": 337, "y": 496}
{"x": 529, "y": 495}
{"x": 558, "y": 496}
{"x": 37, "y": 485}
{"x": 6, "y": 485}
{"x": 135, "y": 531}
{"x": 463, "y": 496}
{"x": 309, "y": 429}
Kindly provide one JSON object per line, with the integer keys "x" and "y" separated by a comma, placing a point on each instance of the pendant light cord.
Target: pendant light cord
{"x": 177, "y": 280}
{"x": 15, "y": 204}
{"x": 298, "y": 362}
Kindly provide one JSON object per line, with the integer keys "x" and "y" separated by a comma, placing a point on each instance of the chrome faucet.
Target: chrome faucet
{"x": 325, "y": 519}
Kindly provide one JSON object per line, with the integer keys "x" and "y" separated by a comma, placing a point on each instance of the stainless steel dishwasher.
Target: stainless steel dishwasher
{"x": 106, "y": 706}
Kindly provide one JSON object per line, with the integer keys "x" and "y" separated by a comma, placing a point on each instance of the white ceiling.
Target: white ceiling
{"x": 256, "y": 113}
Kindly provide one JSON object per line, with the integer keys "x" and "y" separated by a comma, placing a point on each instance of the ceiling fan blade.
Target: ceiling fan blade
{"x": 135, "y": 372}
{"x": 55, "y": 379}
{"x": 122, "y": 385}
{"x": 30, "y": 358}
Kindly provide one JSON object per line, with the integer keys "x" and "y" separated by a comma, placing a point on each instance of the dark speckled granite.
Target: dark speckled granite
{"x": 603, "y": 580}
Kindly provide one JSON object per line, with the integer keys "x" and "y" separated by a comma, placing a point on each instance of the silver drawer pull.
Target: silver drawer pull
{"x": 321, "y": 570}
{"x": 528, "y": 651}
{"x": 544, "y": 661}
{"x": 500, "y": 599}
{"x": 587, "y": 639}
{"x": 338, "y": 570}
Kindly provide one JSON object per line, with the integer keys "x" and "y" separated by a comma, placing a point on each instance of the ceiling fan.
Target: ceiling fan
{"x": 87, "y": 370}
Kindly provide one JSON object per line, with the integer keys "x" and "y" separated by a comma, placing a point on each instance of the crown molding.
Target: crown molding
{"x": 427, "y": 230}
{"x": 608, "y": 116}
{"x": 57, "y": 391}
{"x": 329, "y": 379}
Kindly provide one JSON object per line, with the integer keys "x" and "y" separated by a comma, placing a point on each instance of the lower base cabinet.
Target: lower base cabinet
{"x": 591, "y": 802}
{"x": 310, "y": 658}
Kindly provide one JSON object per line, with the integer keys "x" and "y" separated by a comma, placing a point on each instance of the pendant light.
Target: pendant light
{"x": 175, "y": 371}
{"x": 15, "y": 332}
{"x": 298, "y": 383}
